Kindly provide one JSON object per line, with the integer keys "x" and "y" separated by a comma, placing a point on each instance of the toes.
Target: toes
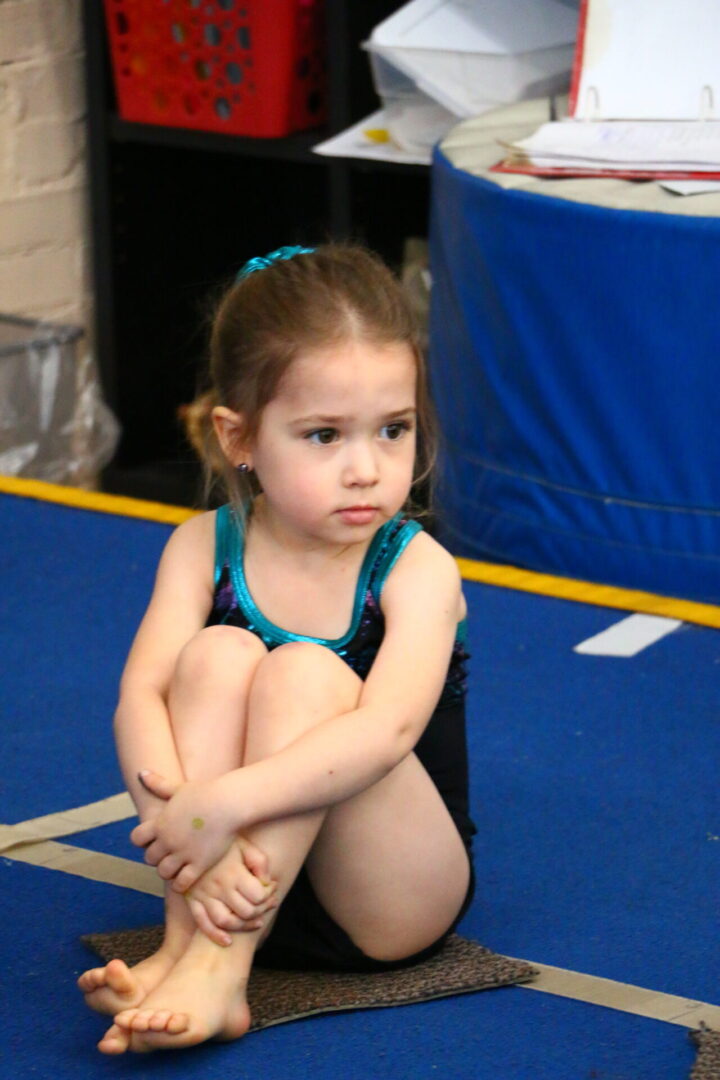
{"x": 114, "y": 1041}
{"x": 178, "y": 1023}
{"x": 90, "y": 980}
{"x": 126, "y": 1017}
{"x": 143, "y": 1020}
{"x": 119, "y": 978}
{"x": 159, "y": 1020}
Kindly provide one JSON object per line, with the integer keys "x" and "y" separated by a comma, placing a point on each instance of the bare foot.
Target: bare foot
{"x": 115, "y": 987}
{"x": 196, "y": 1002}
{"x": 115, "y": 1040}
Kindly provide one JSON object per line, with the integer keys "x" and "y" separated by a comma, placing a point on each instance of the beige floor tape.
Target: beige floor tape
{"x": 89, "y": 864}
{"x": 624, "y": 997}
{"x": 29, "y": 842}
{"x": 569, "y": 984}
{"x": 67, "y": 822}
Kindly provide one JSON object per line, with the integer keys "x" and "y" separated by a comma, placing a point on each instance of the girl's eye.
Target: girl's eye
{"x": 395, "y": 430}
{"x": 322, "y": 437}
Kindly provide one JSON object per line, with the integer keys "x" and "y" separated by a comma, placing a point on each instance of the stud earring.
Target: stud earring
{"x": 243, "y": 467}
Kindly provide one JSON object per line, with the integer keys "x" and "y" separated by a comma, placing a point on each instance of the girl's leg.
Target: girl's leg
{"x": 393, "y": 886}
{"x": 296, "y": 687}
{"x": 404, "y": 897}
{"x": 208, "y": 710}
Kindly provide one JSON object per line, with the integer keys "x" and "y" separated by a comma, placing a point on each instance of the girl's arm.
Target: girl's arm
{"x": 422, "y": 602}
{"x": 178, "y": 609}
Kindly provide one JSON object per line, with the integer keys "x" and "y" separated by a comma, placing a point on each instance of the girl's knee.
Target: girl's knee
{"x": 310, "y": 662}
{"x": 216, "y": 653}
{"x": 308, "y": 671}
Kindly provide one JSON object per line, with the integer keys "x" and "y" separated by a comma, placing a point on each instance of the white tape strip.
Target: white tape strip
{"x": 128, "y": 874}
{"x": 67, "y": 822}
{"x": 624, "y": 997}
{"x": 90, "y": 864}
{"x": 629, "y": 636}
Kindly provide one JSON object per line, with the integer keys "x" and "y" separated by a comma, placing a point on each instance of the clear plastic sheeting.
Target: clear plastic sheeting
{"x": 54, "y": 424}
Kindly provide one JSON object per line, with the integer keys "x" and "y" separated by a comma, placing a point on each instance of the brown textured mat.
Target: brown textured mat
{"x": 707, "y": 1062}
{"x": 275, "y": 997}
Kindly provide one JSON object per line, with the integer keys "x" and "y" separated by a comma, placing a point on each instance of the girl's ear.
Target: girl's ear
{"x": 230, "y": 431}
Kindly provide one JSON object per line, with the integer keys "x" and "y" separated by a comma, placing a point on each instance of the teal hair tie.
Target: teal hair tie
{"x": 261, "y": 262}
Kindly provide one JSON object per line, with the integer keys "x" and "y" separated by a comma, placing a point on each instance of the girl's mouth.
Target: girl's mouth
{"x": 358, "y": 515}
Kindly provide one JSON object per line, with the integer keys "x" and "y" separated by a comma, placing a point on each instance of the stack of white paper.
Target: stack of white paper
{"x": 620, "y": 146}
{"x": 645, "y": 96}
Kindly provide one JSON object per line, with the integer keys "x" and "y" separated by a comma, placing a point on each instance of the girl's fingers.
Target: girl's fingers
{"x": 143, "y": 834}
{"x": 220, "y": 936}
{"x": 255, "y": 860}
{"x": 231, "y": 908}
{"x": 168, "y": 867}
{"x": 242, "y": 907}
{"x": 254, "y": 890}
{"x": 154, "y": 853}
{"x": 205, "y": 923}
{"x": 157, "y": 784}
{"x": 186, "y": 878}
{"x": 221, "y": 915}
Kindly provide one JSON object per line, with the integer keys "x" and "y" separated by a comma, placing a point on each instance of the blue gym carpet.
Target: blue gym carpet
{"x": 594, "y": 788}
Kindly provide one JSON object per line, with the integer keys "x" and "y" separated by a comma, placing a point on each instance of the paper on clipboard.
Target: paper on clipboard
{"x": 647, "y": 60}
{"x": 677, "y": 147}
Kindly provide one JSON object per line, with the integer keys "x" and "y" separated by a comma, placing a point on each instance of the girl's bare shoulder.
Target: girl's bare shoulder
{"x": 426, "y": 568}
{"x": 194, "y": 535}
{"x": 189, "y": 553}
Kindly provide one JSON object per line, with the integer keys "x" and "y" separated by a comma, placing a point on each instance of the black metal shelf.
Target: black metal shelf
{"x": 298, "y": 147}
{"x": 175, "y": 211}
{"x": 289, "y": 148}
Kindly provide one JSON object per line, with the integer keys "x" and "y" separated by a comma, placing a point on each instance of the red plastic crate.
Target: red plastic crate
{"x": 243, "y": 67}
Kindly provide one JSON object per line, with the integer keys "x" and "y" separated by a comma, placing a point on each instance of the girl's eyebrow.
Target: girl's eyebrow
{"x": 330, "y": 421}
{"x": 409, "y": 411}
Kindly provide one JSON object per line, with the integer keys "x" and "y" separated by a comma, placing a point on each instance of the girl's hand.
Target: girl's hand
{"x": 234, "y": 895}
{"x": 191, "y": 833}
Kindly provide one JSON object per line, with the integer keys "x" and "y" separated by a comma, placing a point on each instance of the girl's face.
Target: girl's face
{"x": 336, "y": 447}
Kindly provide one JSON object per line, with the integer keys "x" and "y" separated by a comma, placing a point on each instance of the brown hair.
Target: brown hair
{"x": 336, "y": 293}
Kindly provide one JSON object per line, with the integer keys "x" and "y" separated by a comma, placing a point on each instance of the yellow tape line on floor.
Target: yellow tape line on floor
{"x": 507, "y": 577}
{"x": 95, "y": 500}
{"x": 586, "y": 592}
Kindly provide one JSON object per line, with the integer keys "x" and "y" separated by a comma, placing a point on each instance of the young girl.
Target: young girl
{"x": 291, "y": 716}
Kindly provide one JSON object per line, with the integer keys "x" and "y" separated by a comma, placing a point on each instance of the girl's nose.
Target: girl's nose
{"x": 361, "y": 468}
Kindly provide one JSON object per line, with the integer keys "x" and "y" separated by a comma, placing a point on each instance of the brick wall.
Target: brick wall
{"x": 44, "y": 240}
{"x": 43, "y": 230}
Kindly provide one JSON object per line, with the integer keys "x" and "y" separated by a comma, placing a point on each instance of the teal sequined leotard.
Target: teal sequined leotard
{"x": 304, "y": 935}
{"x": 233, "y": 605}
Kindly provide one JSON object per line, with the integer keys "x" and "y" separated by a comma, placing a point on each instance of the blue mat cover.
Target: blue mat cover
{"x": 573, "y": 350}
{"x": 594, "y": 787}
